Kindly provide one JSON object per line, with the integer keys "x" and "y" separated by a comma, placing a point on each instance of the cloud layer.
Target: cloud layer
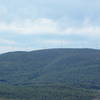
{"x": 49, "y": 26}
{"x": 40, "y": 24}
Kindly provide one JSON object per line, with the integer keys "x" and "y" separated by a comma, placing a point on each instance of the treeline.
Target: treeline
{"x": 44, "y": 92}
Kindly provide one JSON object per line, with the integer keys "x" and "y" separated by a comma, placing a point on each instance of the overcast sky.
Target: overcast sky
{"x": 40, "y": 24}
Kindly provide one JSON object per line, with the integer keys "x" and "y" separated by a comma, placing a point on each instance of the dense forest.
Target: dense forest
{"x": 51, "y": 74}
{"x": 46, "y": 92}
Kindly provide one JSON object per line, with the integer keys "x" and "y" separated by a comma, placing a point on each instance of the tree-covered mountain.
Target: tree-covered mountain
{"x": 52, "y": 74}
{"x": 80, "y": 67}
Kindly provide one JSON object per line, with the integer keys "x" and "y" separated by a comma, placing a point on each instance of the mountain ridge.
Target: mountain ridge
{"x": 69, "y": 66}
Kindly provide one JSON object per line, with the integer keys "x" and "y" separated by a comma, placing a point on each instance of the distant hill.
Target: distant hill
{"x": 80, "y": 67}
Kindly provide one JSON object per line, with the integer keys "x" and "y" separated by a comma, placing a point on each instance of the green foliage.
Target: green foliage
{"x": 55, "y": 74}
{"x": 46, "y": 92}
{"x": 79, "y": 67}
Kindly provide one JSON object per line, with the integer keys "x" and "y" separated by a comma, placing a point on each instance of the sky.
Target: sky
{"x": 27, "y": 25}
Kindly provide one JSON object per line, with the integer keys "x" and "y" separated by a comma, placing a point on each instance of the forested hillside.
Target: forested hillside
{"x": 46, "y": 92}
{"x": 79, "y": 67}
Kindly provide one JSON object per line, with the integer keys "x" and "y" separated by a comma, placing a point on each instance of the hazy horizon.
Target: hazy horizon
{"x": 47, "y": 49}
{"x": 40, "y": 24}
